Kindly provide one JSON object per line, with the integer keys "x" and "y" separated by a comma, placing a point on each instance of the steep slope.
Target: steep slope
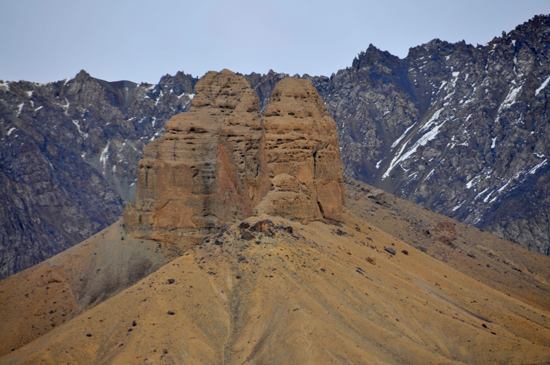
{"x": 296, "y": 293}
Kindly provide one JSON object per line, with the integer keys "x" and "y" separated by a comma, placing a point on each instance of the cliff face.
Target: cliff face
{"x": 304, "y": 162}
{"x": 222, "y": 162}
{"x": 208, "y": 170}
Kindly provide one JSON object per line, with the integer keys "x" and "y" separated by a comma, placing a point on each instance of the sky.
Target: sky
{"x": 140, "y": 41}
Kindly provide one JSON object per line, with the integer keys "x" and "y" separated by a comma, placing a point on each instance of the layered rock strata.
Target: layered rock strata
{"x": 222, "y": 162}
{"x": 304, "y": 162}
{"x": 209, "y": 168}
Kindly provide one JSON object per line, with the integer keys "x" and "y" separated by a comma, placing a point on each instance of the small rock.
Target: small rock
{"x": 238, "y": 276}
{"x": 244, "y": 225}
{"x": 89, "y": 334}
{"x": 390, "y": 250}
{"x": 247, "y": 236}
{"x": 170, "y": 313}
{"x": 405, "y": 252}
{"x": 423, "y": 249}
{"x": 171, "y": 281}
{"x": 165, "y": 351}
{"x": 134, "y": 323}
{"x": 344, "y": 249}
{"x": 241, "y": 258}
{"x": 371, "y": 260}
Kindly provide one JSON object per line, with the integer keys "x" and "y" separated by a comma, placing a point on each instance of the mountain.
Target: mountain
{"x": 321, "y": 278}
{"x": 69, "y": 157}
{"x": 456, "y": 128}
{"x": 453, "y": 127}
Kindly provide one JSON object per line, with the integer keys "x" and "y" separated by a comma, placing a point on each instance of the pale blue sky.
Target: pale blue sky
{"x": 138, "y": 40}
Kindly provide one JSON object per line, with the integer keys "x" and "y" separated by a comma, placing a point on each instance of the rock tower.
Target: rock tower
{"x": 222, "y": 162}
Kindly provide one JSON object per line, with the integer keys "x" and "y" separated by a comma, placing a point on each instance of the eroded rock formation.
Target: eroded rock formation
{"x": 304, "y": 160}
{"x": 222, "y": 162}
{"x": 209, "y": 168}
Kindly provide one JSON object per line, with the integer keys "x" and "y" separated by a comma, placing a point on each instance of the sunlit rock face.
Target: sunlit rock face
{"x": 303, "y": 157}
{"x": 209, "y": 168}
{"x": 222, "y": 162}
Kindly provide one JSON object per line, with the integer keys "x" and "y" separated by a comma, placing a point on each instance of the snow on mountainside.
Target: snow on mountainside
{"x": 460, "y": 129}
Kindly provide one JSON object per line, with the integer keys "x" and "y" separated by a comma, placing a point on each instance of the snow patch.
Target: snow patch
{"x": 20, "y": 106}
{"x": 103, "y": 157}
{"x": 544, "y": 84}
{"x": 472, "y": 182}
{"x": 534, "y": 169}
{"x": 458, "y": 206}
{"x": 85, "y": 135}
{"x": 510, "y": 98}
{"x": 11, "y": 130}
{"x": 494, "y": 142}
{"x": 5, "y": 85}
{"x": 478, "y": 195}
{"x": 394, "y": 144}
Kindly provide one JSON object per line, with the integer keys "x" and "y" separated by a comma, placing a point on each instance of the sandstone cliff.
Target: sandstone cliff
{"x": 209, "y": 168}
{"x": 216, "y": 163}
{"x": 304, "y": 160}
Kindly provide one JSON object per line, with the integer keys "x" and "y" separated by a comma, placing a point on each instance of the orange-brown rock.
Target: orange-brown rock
{"x": 209, "y": 168}
{"x": 304, "y": 162}
{"x": 216, "y": 163}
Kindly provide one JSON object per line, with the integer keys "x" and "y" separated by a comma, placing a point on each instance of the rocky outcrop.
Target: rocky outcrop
{"x": 304, "y": 160}
{"x": 222, "y": 162}
{"x": 209, "y": 168}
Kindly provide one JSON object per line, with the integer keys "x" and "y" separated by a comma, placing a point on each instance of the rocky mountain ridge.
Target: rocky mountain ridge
{"x": 456, "y": 128}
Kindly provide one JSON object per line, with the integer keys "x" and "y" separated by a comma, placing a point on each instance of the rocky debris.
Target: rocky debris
{"x": 443, "y": 232}
{"x": 303, "y": 155}
{"x": 209, "y": 168}
{"x": 371, "y": 260}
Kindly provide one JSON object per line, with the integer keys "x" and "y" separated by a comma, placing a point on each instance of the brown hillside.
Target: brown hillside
{"x": 43, "y": 297}
{"x": 313, "y": 293}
